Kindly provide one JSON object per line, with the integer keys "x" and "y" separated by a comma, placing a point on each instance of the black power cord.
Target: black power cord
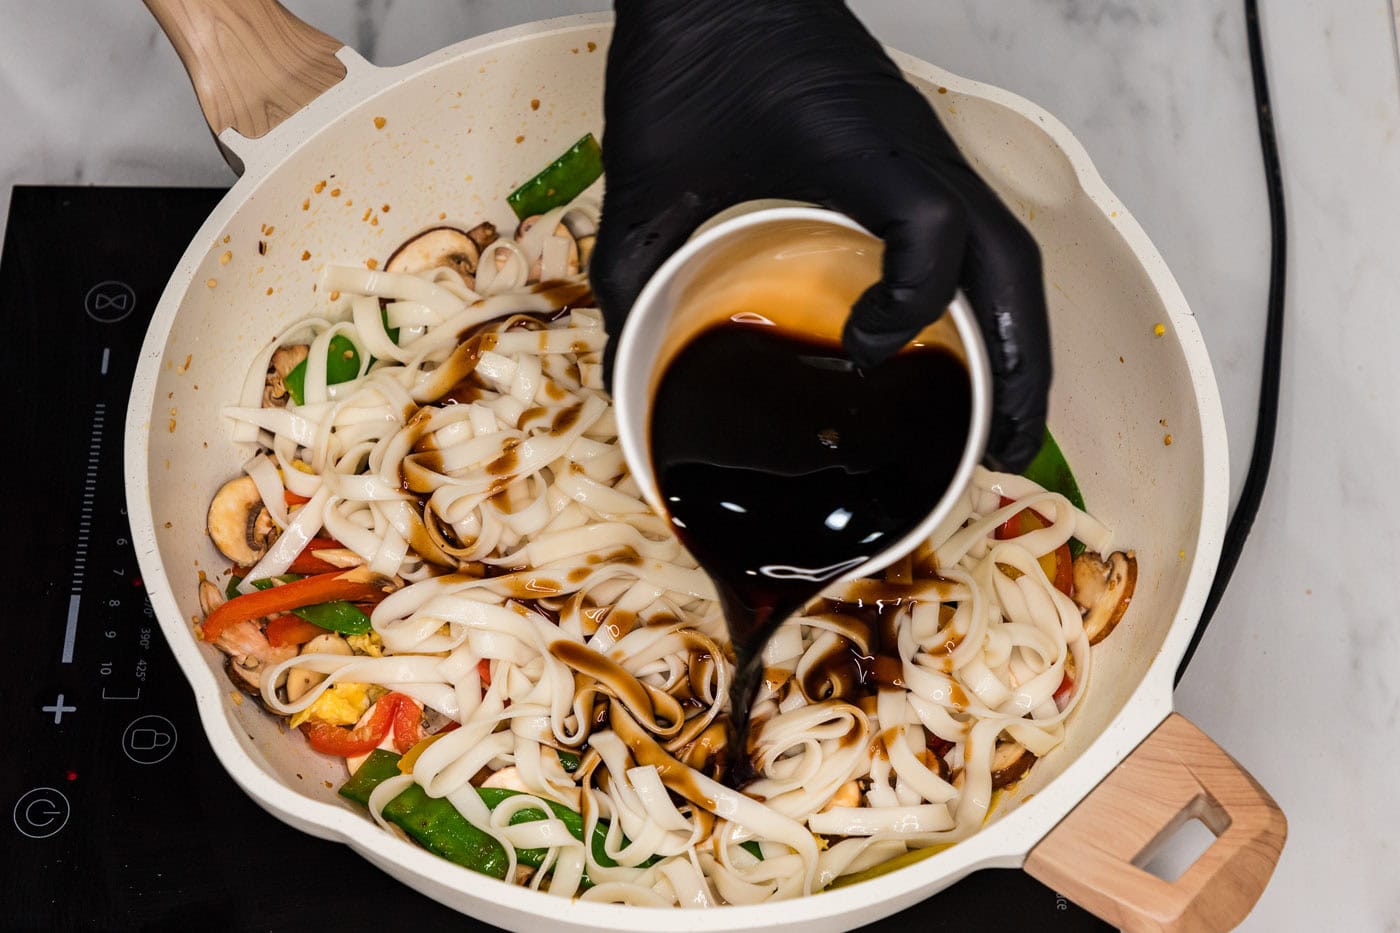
{"x": 1267, "y": 424}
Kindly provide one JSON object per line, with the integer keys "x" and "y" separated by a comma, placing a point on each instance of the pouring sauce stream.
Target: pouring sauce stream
{"x": 783, "y": 467}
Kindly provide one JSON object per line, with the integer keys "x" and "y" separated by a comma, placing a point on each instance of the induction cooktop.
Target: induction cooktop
{"x": 119, "y": 817}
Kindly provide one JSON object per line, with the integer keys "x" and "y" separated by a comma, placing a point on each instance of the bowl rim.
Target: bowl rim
{"x": 1001, "y": 844}
{"x": 631, "y": 376}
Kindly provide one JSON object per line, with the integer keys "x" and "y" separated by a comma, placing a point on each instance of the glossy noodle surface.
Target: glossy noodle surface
{"x": 549, "y": 661}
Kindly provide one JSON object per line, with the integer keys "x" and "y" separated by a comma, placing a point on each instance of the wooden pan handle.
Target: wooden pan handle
{"x": 253, "y": 64}
{"x": 1176, "y": 775}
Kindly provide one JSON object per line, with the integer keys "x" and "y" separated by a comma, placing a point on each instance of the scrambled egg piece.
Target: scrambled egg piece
{"x": 369, "y": 643}
{"x": 340, "y": 705}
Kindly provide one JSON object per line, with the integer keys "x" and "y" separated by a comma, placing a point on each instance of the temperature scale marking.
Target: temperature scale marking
{"x": 75, "y": 596}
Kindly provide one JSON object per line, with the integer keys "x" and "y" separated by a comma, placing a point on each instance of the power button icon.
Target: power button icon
{"x": 41, "y": 812}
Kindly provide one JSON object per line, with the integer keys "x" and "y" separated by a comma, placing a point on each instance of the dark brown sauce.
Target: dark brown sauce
{"x": 463, "y": 393}
{"x": 508, "y": 460}
{"x": 783, "y": 466}
{"x": 564, "y": 420}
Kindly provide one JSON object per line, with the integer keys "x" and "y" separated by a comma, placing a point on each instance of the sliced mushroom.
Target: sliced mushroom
{"x": 245, "y": 672}
{"x": 431, "y": 249}
{"x": 1010, "y": 762}
{"x": 506, "y": 779}
{"x": 210, "y": 597}
{"x": 300, "y": 679}
{"x": 483, "y": 234}
{"x": 284, "y": 360}
{"x": 238, "y": 522}
{"x": 1103, "y": 589}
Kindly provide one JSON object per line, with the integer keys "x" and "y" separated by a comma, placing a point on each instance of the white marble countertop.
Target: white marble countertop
{"x": 1300, "y": 675}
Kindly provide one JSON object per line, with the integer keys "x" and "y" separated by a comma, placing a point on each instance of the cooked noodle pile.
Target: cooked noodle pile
{"x": 471, "y": 468}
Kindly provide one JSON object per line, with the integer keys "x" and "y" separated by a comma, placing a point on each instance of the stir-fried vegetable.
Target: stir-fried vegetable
{"x": 337, "y": 616}
{"x": 307, "y": 562}
{"x": 342, "y": 365}
{"x": 561, "y": 181}
{"x": 1058, "y": 564}
{"x": 393, "y": 711}
{"x": 305, "y": 594}
{"x": 1051, "y": 470}
{"x": 432, "y": 822}
{"x": 437, "y": 825}
{"x": 290, "y": 630}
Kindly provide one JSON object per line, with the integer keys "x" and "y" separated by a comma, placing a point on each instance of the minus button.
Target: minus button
{"x": 106, "y": 356}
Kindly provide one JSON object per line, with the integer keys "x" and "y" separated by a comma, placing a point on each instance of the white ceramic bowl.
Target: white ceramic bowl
{"x": 449, "y": 145}
{"x": 835, "y": 260}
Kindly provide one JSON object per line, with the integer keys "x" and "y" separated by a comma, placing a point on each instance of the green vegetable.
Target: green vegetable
{"x": 1049, "y": 469}
{"x": 342, "y": 365}
{"x": 884, "y": 868}
{"x": 569, "y": 761}
{"x": 437, "y": 825}
{"x": 753, "y": 848}
{"x": 338, "y": 616}
{"x": 571, "y": 819}
{"x": 432, "y": 822}
{"x": 561, "y": 181}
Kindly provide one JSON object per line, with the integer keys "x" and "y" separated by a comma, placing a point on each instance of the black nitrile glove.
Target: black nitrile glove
{"x": 712, "y": 102}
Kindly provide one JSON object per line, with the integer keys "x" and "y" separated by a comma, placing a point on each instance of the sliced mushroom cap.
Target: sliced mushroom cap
{"x": 506, "y": 779}
{"x": 1103, "y": 589}
{"x": 284, "y": 360}
{"x": 245, "y": 673}
{"x": 1010, "y": 762}
{"x": 300, "y": 679}
{"x": 210, "y": 597}
{"x": 483, "y": 234}
{"x": 440, "y": 246}
{"x": 238, "y": 523}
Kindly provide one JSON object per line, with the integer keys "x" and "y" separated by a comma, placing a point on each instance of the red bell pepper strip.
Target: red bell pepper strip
{"x": 1063, "y": 693}
{"x": 288, "y": 629}
{"x": 1058, "y": 564}
{"x": 408, "y": 724}
{"x": 347, "y": 585}
{"x": 308, "y": 563}
{"x": 483, "y": 670}
{"x": 330, "y": 739}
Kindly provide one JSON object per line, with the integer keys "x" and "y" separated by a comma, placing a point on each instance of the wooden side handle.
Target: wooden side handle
{"x": 1177, "y": 774}
{"x": 253, "y": 64}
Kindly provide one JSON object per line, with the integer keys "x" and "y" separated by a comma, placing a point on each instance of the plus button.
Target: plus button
{"x": 58, "y": 709}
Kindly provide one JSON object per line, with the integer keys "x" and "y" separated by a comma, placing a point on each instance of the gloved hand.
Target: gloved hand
{"x": 712, "y": 102}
